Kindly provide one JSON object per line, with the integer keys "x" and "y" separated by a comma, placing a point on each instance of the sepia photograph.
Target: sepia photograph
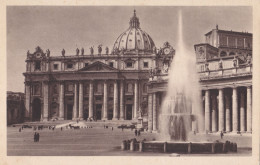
{"x": 164, "y": 81}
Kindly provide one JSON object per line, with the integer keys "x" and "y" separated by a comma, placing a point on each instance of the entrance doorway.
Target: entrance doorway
{"x": 36, "y": 110}
{"x": 98, "y": 112}
{"x": 69, "y": 111}
{"x": 128, "y": 111}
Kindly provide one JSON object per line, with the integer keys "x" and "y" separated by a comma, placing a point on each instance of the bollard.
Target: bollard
{"x": 165, "y": 147}
{"x": 123, "y": 145}
{"x": 213, "y": 148}
{"x": 132, "y": 145}
{"x": 189, "y": 148}
{"x": 141, "y": 146}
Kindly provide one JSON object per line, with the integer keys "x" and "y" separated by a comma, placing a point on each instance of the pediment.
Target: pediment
{"x": 98, "y": 66}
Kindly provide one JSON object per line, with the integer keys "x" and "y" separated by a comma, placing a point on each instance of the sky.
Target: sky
{"x": 71, "y": 27}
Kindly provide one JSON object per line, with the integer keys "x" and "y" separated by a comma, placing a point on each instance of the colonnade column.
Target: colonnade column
{"x": 154, "y": 112}
{"x": 242, "y": 113}
{"x": 27, "y": 101}
{"x": 105, "y": 101}
{"x": 61, "y": 110}
{"x": 81, "y": 100}
{"x": 228, "y": 113}
{"x": 234, "y": 110}
{"x": 115, "y": 113}
{"x": 136, "y": 99}
{"x": 91, "y": 92}
{"x": 122, "y": 112}
{"x": 207, "y": 111}
{"x": 75, "y": 106}
{"x": 249, "y": 109}
{"x": 150, "y": 112}
{"x": 221, "y": 110}
{"x": 214, "y": 113}
{"x": 45, "y": 101}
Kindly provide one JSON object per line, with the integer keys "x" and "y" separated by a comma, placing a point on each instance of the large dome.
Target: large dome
{"x": 134, "y": 39}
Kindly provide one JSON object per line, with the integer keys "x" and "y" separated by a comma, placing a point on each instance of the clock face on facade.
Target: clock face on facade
{"x": 167, "y": 51}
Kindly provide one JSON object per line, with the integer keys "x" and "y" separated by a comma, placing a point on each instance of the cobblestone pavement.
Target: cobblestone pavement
{"x": 98, "y": 142}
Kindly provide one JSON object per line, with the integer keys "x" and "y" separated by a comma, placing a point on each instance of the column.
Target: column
{"x": 249, "y": 109}
{"x": 136, "y": 100}
{"x": 221, "y": 110}
{"x": 150, "y": 112}
{"x": 122, "y": 111}
{"x": 75, "y": 106}
{"x": 228, "y": 113}
{"x": 45, "y": 101}
{"x": 105, "y": 101}
{"x": 242, "y": 112}
{"x": 81, "y": 96}
{"x": 61, "y": 110}
{"x": 91, "y": 92}
{"x": 207, "y": 111}
{"x": 115, "y": 113}
{"x": 154, "y": 112}
{"x": 214, "y": 113}
{"x": 27, "y": 101}
{"x": 234, "y": 111}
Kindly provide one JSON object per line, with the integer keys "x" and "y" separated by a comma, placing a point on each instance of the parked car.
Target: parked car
{"x": 122, "y": 126}
{"x": 132, "y": 126}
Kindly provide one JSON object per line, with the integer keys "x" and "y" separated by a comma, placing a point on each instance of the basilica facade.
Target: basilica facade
{"x": 224, "y": 67}
{"x": 98, "y": 85}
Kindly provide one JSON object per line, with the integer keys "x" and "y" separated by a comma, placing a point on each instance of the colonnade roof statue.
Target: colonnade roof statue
{"x": 134, "y": 39}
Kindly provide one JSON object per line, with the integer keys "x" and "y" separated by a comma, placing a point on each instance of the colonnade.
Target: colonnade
{"x": 228, "y": 111}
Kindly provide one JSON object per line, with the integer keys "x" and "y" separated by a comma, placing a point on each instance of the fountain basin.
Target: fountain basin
{"x": 179, "y": 147}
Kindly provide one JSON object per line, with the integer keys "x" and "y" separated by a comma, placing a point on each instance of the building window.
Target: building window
{"x": 85, "y": 98}
{"x": 145, "y": 64}
{"x": 38, "y": 65}
{"x": 223, "y": 53}
{"x": 129, "y": 87}
{"x": 129, "y": 64}
{"x": 37, "y": 89}
{"x": 98, "y": 98}
{"x": 70, "y": 87}
{"x": 110, "y": 99}
{"x": 111, "y": 64}
{"x": 99, "y": 88}
{"x": 129, "y": 98}
{"x": 111, "y": 88}
{"x": 69, "y": 66}
{"x": 55, "y": 90}
{"x": 55, "y": 66}
{"x": 86, "y": 64}
{"x": 231, "y": 53}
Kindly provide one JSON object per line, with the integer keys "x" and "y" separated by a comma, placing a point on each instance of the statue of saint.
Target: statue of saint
{"x": 99, "y": 49}
{"x": 107, "y": 50}
{"x": 235, "y": 62}
{"x": 248, "y": 59}
{"x": 91, "y": 50}
{"x": 48, "y": 52}
{"x": 154, "y": 50}
{"x": 28, "y": 54}
{"x": 220, "y": 64}
{"x": 77, "y": 51}
{"x": 82, "y": 51}
{"x": 63, "y": 52}
{"x": 207, "y": 67}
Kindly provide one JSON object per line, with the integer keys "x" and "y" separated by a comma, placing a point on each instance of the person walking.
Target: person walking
{"x": 221, "y": 135}
{"x": 38, "y": 137}
{"x": 34, "y": 137}
{"x": 135, "y": 132}
{"x": 112, "y": 128}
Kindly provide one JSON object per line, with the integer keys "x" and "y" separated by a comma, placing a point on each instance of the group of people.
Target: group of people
{"x": 36, "y": 137}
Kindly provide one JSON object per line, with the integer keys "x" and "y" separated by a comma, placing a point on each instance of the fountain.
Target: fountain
{"x": 181, "y": 110}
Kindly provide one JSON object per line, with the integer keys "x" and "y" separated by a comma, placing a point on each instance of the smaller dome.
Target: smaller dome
{"x": 134, "y": 39}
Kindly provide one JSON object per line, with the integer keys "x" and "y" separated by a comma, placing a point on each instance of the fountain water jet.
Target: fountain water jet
{"x": 182, "y": 94}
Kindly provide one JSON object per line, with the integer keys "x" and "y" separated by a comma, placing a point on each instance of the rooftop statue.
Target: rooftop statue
{"x": 63, "y": 52}
{"x": 48, "y": 52}
{"x": 82, "y": 51}
{"x": 77, "y": 51}
{"x": 220, "y": 64}
{"x": 91, "y": 50}
{"x": 28, "y": 54}
{"x": 207, "y": 67}
{"x": 235, "y": 64}
{"x": 99, "y": 49}
{"x": 107, "y": 50}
